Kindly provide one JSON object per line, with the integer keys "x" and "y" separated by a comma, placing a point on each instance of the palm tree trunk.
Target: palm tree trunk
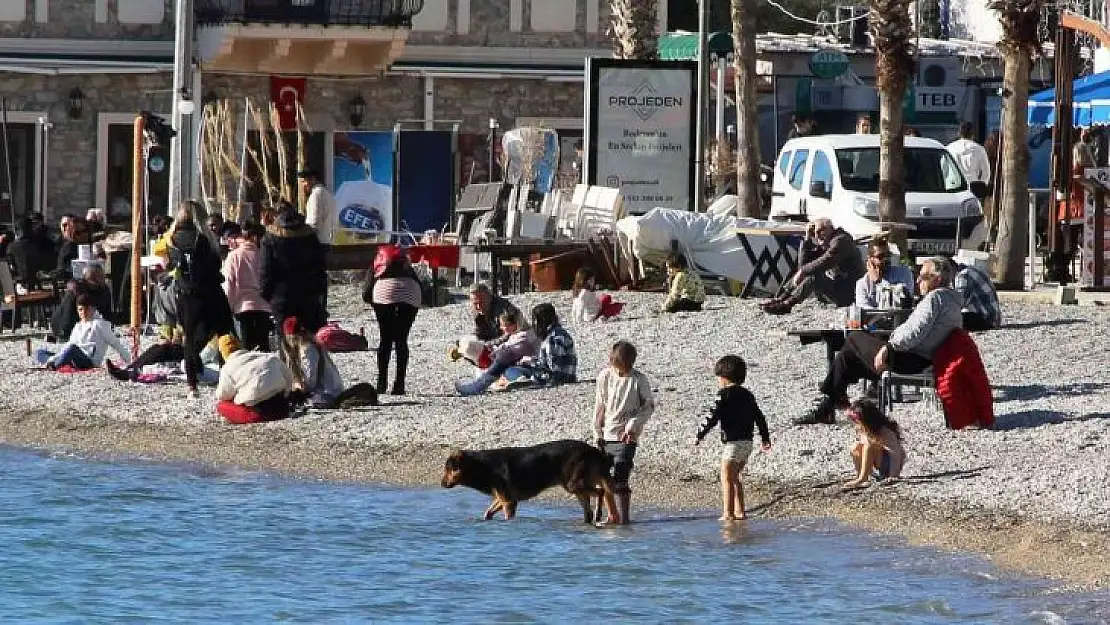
{"x": 892, "y": 174}
{"x": 747, "y": 126}
{"x": 1013, "y": 213}
{"x": 633, "y": 27}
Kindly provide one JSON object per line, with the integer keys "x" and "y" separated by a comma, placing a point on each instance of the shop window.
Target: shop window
{"x": 798, "y": 168}
{"x": 822, "y": 170}
{"x": 119, "y": 171}
{"x": 22, "y": 167}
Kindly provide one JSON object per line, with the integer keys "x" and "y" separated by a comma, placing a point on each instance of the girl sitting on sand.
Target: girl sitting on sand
{"x": 879, "y": 449}
{"x": 588, "y": 306}
{"x": 517, "y": 342}
{"x": 316, "y": 379}
{"x": 687, "y": 293}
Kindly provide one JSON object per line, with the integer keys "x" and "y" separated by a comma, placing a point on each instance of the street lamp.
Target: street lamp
{"x": 357, "y": 108}
{"x": 76, "y": 102}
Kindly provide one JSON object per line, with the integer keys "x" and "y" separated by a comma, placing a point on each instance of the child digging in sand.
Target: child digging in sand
{"x": 738, "y": 415}
{"x": 879, "y": 450}
{"x": 624, "y": 403}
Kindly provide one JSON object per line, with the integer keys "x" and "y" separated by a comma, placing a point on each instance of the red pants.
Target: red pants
{"x": 272, "y": 409}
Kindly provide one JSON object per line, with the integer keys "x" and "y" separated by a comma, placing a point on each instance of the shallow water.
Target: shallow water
{"x": 125, "y": 542}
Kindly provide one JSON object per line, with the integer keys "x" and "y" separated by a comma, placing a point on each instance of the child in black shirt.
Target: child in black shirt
{"x": 738, "y": 414}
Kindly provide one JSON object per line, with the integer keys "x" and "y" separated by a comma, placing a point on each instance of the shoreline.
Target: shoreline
{"x": 1068, "y": 553}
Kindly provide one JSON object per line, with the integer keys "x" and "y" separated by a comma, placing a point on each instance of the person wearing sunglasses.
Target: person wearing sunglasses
{"x": 909, "y": 350}
{"x": 881, "y": 273}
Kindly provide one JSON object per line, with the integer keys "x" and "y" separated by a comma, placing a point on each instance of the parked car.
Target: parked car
{"x": 837, "y": 176}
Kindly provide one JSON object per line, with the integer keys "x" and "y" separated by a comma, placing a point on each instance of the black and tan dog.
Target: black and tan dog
{"x": 514, "y": 474}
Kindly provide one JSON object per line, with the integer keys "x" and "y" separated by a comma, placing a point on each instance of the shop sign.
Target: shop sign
{"x": 828, "y": 63}
{"x": 937, "y": 99}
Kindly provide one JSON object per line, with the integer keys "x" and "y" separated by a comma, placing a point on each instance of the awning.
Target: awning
{"x": 1090, "y": 103}
{"x": 68, "y": 66}
{"x": 684, "y": 46}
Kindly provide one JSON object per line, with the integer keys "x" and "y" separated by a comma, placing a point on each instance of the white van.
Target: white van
{"x": 837, "y": 176}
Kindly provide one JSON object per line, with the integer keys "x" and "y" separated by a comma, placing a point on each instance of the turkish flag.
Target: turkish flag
{"x": 286, "y": 94}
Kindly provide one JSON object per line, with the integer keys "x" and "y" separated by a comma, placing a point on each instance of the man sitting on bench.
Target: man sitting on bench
{"x": 829, "y": 266}
{"x": 909, "y": 350}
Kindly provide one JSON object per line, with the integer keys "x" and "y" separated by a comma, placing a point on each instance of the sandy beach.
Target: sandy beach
{"x": 1031, "y": 494}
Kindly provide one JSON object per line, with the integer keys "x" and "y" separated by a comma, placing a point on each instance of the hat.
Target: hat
{"x": 308, "y": 173}
{"x": 228, "y": 345}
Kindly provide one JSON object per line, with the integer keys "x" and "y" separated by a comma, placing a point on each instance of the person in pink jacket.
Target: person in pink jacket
{"x": 242, "y": 273}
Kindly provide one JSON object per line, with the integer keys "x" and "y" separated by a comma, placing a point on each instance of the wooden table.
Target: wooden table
{"x": 772, "y": 265}
{"x": 521, "y": 252}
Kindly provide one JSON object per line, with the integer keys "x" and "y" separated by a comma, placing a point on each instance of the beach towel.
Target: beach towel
{"x": 962, "y": 383}
{"x": 72, "y": 369}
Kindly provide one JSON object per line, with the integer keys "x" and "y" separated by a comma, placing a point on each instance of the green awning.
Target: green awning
{"x": 684, "y": 46}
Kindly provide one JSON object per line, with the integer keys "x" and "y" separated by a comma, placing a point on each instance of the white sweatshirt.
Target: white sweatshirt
{"x": 250, "y": 378}
{"x": 321, "y": 213}
{"x": 623, "y": 404}
{"x": 586, "y": 306}
{"x": 94, "y": 338}
{"x": 972, "y": 158}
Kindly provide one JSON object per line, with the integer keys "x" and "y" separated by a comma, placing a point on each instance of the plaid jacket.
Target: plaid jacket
{"x": 979, "y": 294}
{"x": 557, "y": 362}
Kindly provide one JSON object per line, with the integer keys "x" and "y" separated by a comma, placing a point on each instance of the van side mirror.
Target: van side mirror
{"x": 817, "y": 189}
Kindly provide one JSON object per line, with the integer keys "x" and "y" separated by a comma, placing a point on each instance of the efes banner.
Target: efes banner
{"x": 364, "y": 186}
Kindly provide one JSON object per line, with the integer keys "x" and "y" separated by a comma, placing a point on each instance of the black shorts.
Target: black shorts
{"x": 622, "y": 455}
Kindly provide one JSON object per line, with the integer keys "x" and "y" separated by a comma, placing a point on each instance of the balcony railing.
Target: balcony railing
{"x": 389, "y": 13}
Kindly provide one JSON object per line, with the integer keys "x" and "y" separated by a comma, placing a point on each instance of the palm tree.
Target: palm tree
{"x": 744, "y": 29}
{"x": 1019, "y": 44}
{"x": 892, "y": 32}
{"x": 632, "y": 25}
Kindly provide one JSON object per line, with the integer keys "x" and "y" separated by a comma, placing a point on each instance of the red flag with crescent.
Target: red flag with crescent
{"x": 286, "y": 94}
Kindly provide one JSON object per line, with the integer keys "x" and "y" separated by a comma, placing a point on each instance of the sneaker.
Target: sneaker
{"x": 778, "y": 308}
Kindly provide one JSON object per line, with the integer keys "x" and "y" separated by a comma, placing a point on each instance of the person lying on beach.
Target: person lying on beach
{"x": 316, "y": 379}
{"x": 168, "y": 349}
{"x": 518, "y": 343}
{"x": 88, "y": 342}
{"x": 879, "y": 451}
{"x": 588, "y": 306}
{"x": 687, "y": 293}
{"x": 623, "y": 403}
{"x": 486, "y": 309}
{"x": 738, "y": 415}
{"x": 254, "y": 386}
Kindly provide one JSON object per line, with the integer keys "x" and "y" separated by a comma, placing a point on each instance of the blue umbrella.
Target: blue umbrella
{"x": 1091, "y": 103}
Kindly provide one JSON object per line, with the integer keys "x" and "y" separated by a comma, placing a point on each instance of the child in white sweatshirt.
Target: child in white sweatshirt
{"x": 624, "y": 403}
{"x": 88, "y": 342}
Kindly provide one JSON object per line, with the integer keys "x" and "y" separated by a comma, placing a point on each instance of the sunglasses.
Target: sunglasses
{"x": 925, "y": 276}
{"x": 880, "y": 256}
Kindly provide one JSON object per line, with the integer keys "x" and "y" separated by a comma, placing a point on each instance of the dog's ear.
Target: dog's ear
{"x": 455, "y": 458}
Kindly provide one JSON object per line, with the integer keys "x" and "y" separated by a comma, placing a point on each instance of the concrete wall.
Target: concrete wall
{"x": 87, "y": 19}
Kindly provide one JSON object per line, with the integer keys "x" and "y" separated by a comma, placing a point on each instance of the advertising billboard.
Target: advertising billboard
{"x": 640, "y": 131}
{"x": 364, "y": 186}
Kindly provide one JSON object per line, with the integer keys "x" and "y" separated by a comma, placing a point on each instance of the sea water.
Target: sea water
{"x": 95, "y": 542}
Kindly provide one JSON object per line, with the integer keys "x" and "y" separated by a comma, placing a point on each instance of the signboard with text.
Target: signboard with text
{"x": 640, "y": 131}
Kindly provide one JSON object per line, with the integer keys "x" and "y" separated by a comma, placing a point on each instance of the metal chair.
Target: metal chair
{"x": 891, "y": 385}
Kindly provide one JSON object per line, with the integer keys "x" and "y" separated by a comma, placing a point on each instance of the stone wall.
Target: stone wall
{"x": 490, "y": 26}
{"x": 71, "y": 179}
{"x": 475, "y": 101}
{"x": 78, "y": 19}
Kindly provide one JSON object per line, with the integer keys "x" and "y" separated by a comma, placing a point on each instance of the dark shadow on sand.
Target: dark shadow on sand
{"x": 1047, "y": 323}
{"x": 1036, "y": 418}
{"x": 1019, "y": 392}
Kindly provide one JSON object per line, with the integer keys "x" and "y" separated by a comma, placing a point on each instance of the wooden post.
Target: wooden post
{"x": 138, "y": 206}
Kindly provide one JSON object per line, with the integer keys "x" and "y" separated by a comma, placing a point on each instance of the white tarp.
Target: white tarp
{"x": 708, "y": 239}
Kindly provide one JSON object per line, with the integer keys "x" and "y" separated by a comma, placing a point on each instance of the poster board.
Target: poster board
{"x": 641, "y": 131}
{"x": 364, "y": 195}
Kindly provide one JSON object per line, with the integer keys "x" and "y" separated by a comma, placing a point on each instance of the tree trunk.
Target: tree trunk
{"x": 1013, "y": 210}
{"x": 892, "y": 178}
{"x": 633, "y": 26}
{"x": 747, "y": 126}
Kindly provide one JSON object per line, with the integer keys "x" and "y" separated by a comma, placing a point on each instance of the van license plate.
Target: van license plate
{"x": 934, "y": 247}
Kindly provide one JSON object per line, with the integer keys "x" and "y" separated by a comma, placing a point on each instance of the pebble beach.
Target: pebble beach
{"x": 1033, "y": 493}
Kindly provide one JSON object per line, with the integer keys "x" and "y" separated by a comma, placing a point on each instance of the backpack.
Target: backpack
{"x": 335, "y": 339}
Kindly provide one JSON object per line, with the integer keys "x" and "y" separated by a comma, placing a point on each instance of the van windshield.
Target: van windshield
{"x": 928, "y": 170}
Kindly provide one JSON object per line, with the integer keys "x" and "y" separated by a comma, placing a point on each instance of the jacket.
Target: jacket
{"x": 972, "y": 159}
{"x": 685, "y": 285}
{"x": 738, "y": 415}
{"x": 839, "y": 258}
{"x": 557, "y": 362}
{"x": 322, "y": 380}
{"x": 487, "y": 327}
{"x": 250, "y": 378}
{"x": 321, "y": 214}
{"x": 94, "y": 338}
{"x": 196, "y": 265}
{"x": 294, "y": 272}
{"x": 519, "y": 345}
{"x": 586, "y": 307}
{"x": 934, "y": 318}
{"x": 242, "y": 278}
{"x": 962, "y": 383}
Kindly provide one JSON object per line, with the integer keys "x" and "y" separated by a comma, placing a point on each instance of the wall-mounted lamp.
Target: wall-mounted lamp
{"x": 76, "y": 103}
{"x": 494, "y": 124}
{"x": 357, "y": 109}
{"x": 185, "y": 104}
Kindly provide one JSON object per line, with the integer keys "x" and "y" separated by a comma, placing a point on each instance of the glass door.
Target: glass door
{"x": 19, "y": 160}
